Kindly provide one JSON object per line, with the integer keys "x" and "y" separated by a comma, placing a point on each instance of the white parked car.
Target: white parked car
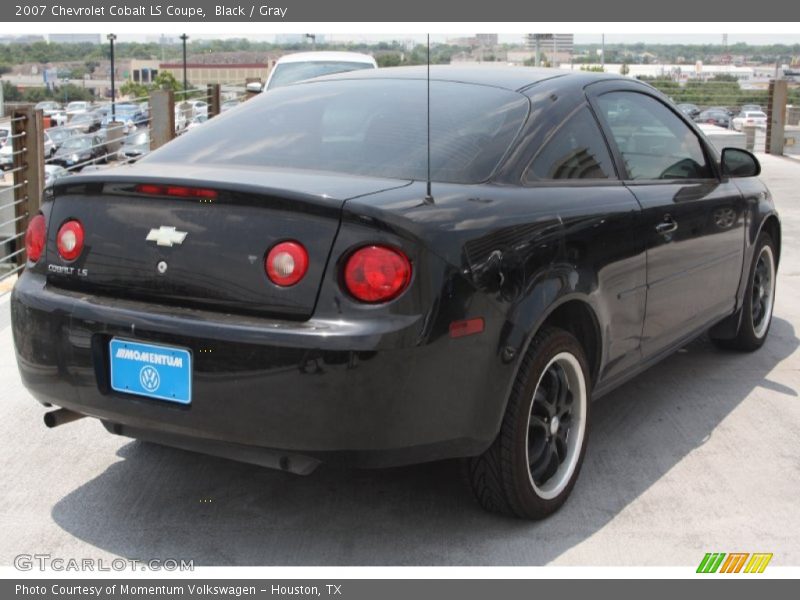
{"x": 53, "y": 110}
{"x": 306, "y": 65}
{"x": 749, "y": 118}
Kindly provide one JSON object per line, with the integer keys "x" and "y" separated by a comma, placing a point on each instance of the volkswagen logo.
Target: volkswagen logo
{"x": 149, "y": 378}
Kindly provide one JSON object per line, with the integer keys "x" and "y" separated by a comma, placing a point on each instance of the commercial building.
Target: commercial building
{"x": 199, "y": 74}
{"x": 558, "y": 48}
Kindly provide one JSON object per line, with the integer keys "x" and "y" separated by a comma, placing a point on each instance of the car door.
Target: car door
{"x": 693, "y": 219}
{"x": 573, "y": 171}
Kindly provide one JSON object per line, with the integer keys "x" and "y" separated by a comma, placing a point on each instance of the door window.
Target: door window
{"x": 653, "y": 141}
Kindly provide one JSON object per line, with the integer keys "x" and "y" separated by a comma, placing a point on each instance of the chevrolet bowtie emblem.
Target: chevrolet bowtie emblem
{"x": 166, "y": 236}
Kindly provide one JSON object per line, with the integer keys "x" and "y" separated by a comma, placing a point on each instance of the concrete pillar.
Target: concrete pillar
{"x": 162, "y": 117}
{"x": 776, "y": 116}
{"x": 749, "y": 137}
{"x": 214, "y": 100}
{"x": 114, "y": 137}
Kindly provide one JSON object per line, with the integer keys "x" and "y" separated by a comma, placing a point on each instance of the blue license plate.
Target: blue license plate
{"x": 151, "y": 370}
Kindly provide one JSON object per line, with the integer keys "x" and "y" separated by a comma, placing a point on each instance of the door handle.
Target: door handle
{"x": 668, "y": 225}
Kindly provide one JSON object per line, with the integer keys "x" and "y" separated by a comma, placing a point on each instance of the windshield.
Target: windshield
{"x": 58, "y": 135}
{"x": 363, "y": 127}
{"x": 286, "y": 73}
{"x": 76, "y": 144}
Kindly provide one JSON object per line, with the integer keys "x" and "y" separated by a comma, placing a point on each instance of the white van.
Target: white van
{"x": 305, "y": 65}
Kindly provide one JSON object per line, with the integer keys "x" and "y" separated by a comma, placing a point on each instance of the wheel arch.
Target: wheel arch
{"x": 573, "y": 313}
{"x": 772, "y": 225}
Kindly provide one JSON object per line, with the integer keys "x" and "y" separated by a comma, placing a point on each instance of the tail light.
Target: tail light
{"x": 377, "y": 273}
{"x": 287, "y": 263}
{"x": 178, "y": 191}
{"x": 35, "y": 237}
{"x": 70, "y": 240}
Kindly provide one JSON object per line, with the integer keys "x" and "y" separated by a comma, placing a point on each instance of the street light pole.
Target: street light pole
{"x": 111, "y": 37}
{"x": 603, "y": 52}
{"x": 184, "y": 37}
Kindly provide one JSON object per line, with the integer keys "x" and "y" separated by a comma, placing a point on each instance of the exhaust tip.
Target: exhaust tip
{"x": 62, "y": 416}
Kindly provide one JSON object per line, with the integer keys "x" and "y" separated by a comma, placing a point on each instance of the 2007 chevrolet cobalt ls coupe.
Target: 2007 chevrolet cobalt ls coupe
{"x": 278, "y": 286}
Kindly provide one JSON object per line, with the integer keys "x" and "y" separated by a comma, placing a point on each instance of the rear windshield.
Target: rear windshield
{"x": 362, "y": 127}
{"x": 292, "y": 72}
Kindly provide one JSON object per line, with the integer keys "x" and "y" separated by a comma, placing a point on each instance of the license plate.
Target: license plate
{"x": 151, "y": 370}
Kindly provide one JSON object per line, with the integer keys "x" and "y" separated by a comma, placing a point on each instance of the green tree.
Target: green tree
{"x": 166, "y": 81}
{"x": 389, "y": 60}
{"x": 133, "y": 89}
{"x": 11, "y": 92}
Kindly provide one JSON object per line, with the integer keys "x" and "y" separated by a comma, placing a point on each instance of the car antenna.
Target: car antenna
{"x": 428, "y": 194}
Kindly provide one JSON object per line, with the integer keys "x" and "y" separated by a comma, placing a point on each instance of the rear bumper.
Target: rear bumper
{"x": 366, "y": 393}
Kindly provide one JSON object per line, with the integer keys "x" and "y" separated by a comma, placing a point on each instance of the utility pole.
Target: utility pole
{"x": 111, "y": 37}
{"x": 603, "y": 51}
{"x": 313, "y": 38}
{"x": 184, "y": 37}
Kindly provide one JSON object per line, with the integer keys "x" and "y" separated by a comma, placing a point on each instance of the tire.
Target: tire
{"x": 754, "y": 324}
{"x": 509, "y": 479}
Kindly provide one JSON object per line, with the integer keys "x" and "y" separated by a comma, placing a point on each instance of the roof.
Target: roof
{"x": 511, "y": 78}
{"x": 326, "y": 56}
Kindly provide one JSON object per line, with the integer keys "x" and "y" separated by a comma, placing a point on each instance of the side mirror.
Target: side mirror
{"x": 254, "y": 87}
{"x": 740, "y": 163}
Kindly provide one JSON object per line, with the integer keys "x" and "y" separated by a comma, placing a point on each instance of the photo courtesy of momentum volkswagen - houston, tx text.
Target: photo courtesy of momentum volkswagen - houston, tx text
{"x": 323, "y": 275}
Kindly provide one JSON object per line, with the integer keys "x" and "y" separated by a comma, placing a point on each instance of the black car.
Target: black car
{"x": 87, "y": 122}
{"x": 306, "y": 279}
{"x": 714, "y": 117}
{"x": 690, "y": 110}
{"x": 60, "y": 134}
{"x": 77, "y": 151}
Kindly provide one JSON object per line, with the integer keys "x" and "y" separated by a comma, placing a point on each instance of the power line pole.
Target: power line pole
{"x": 184, "y": 37}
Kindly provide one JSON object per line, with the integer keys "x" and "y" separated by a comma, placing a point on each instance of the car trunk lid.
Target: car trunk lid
{"x": 135, "y": 245}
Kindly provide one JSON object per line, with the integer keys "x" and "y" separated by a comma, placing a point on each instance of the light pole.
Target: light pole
{"x": 603, "y": 52}
{"x": 313, "y": 38}
{"x": 111, "y": 37}
{"x": 184, "y": 37}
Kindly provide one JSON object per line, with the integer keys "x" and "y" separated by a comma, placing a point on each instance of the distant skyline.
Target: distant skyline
{"x": 510, "y": 38}
{"x": 580, "y": 38}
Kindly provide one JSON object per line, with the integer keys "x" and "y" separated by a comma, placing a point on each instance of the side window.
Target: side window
{"x": 654, "y": 142}
{"x": 576, "y": 151}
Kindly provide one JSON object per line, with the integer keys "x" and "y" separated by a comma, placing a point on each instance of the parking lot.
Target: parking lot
{"x": 699, "y": 454}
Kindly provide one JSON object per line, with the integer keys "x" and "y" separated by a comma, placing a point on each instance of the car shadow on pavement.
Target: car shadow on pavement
{"x": 158, "y": 502}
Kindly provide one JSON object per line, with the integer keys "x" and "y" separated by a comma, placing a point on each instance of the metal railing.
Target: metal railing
{"x": 98, "y": 143}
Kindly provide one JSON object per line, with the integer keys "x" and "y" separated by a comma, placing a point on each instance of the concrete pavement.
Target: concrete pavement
{"x": 699, "y": 454}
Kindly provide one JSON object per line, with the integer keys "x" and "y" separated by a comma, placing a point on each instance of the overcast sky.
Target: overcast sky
{"x": 581, "y": 38}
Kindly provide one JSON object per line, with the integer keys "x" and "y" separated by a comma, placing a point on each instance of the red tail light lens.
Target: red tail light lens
{"x": 35, "y": 237}
{"x": 377, "y": 274}
{"x": 179, "y": 191}
{"x": 287, "y": 263}
{"x": 70, "y": 240}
